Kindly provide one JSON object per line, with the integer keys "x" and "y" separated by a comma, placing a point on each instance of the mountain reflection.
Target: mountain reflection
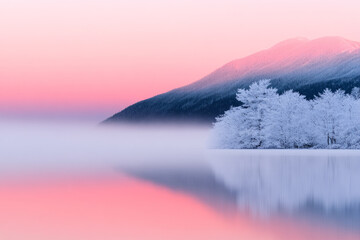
{"x": 313, "y": 185}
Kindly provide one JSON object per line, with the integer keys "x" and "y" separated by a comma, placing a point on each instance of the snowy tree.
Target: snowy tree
{"x": 329, "y": 118}
{"x": 256, "y": 105}
{"x": 248, "y": 122}
{"x": 355, "y": 93}
{"x": 268, "y": 120}
{"x": 351, "y": 120}
{"x": 226, "y": 131}
{"x": 289, "y": 122}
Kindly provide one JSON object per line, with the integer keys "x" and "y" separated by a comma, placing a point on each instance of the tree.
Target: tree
{"x": 289, "y": 122}
{"x": 352, "y": 119}
{"x": 355, "y": 93}
{"x": 256, "y": 105}
{"x": 226, "y": 130}
{"x": 246, "y": 125}
{"x": 268, "y": 120}
{"x": 329, "y": 118}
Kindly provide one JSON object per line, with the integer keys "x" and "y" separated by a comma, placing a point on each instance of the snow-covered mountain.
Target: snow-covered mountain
{"x": 307, "y": 66}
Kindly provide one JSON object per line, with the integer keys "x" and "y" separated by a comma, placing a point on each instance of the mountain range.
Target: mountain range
{"x": 306, "y": 66}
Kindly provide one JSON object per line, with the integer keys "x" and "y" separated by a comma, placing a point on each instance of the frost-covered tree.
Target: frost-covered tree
{"x": 248, "y": 122}
{"x": 329, "y": 118}
{"x": 336, "y": 119}
{"x": 289, "y": 122}
{"x": 351, "y": 118}
{"x": 268, "y": 120}
{"x": 226, "y": 131}
{"x": 256, "y": 106}
{"x": 355, "y": 93}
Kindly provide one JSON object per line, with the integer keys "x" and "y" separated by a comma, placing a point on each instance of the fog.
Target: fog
{"x": 58, "y": 148}
{"x": 322, "y": 184}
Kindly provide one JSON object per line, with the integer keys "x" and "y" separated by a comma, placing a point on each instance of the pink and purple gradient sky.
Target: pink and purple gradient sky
{"x": 94, "y": 57}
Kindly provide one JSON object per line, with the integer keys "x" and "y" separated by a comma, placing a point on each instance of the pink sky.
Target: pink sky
{"x": 96, "y": 57}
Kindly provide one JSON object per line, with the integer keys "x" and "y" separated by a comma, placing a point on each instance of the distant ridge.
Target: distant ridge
{"x": 307, "y": 66}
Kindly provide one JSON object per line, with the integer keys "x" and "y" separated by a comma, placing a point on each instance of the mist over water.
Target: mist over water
{"x": 300, "y": 186}
{"x": 38, "y": 147}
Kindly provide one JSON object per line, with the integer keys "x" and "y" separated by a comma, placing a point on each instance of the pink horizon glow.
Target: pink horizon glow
{"x": 100, "y": 56}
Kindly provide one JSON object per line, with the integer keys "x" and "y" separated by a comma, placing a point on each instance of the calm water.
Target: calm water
{"x": 67, "y": 181}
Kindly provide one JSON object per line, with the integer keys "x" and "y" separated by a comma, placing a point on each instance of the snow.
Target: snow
{"x": 292, "y": 59}
{"x": 269, "y": 120}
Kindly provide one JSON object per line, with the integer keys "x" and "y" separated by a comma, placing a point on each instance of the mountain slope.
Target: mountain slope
{"x": 307, "y": 66}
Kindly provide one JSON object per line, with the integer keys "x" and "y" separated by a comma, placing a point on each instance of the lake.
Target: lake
{"x": 79, "y": 181}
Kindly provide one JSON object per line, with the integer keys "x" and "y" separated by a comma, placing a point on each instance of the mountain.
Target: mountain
{"x": 307, "y": 66}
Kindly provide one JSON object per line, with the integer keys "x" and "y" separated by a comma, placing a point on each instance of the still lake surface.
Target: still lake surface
{"x": 77, "y": 181}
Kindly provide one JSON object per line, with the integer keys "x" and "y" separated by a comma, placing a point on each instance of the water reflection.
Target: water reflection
{"x": 61, "y": 178}
{"x": 199, "y": 182}
{"x": 321, "y": 184}
{"x": 317, "y": 185}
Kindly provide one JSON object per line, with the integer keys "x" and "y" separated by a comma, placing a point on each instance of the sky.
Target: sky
{"x": 92, "y": 58}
